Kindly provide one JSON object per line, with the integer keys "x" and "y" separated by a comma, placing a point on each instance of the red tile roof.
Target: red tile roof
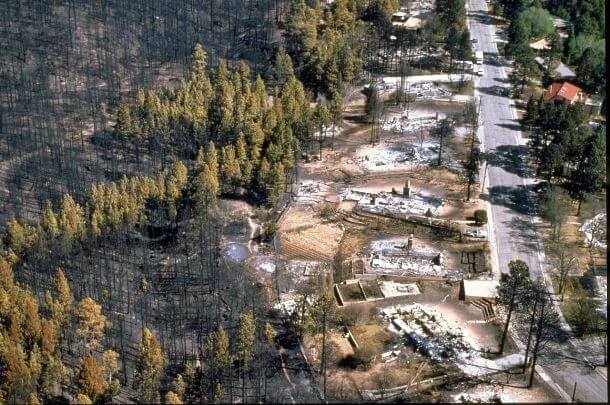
{"x": 566, "y": 91}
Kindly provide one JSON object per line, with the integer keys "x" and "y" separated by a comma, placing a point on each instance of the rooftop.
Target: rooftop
{"x": 565, "y": 90}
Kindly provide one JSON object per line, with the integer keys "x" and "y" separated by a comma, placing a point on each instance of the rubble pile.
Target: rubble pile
{"x": 391, "y": 155}
{"x": 387, "y": 257}
{"x": 301, "y": 269}
{"x": 428, "y": 331}
{"x": 404, "y": 126}
{"x": 427, "y": 90}
{"x": 388, "y": 203}
{"x": 310, "y": 192}
{"x": 290, "y": 301}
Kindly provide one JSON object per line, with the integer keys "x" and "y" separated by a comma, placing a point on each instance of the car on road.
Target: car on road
{"x": 474, "y": 40}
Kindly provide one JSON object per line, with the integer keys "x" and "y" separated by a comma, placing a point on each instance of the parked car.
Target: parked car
{"x": 476, "y": 233}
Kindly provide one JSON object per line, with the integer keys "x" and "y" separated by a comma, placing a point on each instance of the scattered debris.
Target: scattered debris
{"x": 595, "y": 231}
{"x": 311, "y": 192}
{"x": 289, "y": 301}
{"x": 392, "y": 257}
{"x": 426, "y": 329}
{"x": 399, "y": 155}
{"x": 388, "y": 203}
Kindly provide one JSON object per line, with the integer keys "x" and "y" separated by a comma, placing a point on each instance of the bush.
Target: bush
{"x": 269, "y": 231}
{"x": 480, "y": 217}
{"x": 581, "y": 313}
{"x": 328, "y": 211}
{"x": 366, "y": 354}
{"x": 352, "y": 315}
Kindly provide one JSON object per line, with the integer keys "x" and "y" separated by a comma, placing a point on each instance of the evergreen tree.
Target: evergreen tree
{"x": 92, "y": 381}
{"x": 282, "y": 69}
{"x": 199, "y": 62}
{"x": 590, "y": 174}
{"x": 229, "y": 168}
{"x": 245, "y": 344}
{"x": 149, "y": 368}
{"x": 91, "y": 322}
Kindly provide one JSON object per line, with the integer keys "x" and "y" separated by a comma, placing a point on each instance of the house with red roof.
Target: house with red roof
{"x": 565, "y": 92}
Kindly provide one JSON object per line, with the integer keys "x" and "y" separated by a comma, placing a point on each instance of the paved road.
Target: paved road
{"x": 513, "y": 232}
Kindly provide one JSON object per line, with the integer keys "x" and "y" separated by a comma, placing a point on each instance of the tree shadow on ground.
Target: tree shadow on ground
{"x": 514, "y": 127}
{"x": 518, "y": 199}
{"x": 495, "y": 91}
{"x": 511, "y": 158}
{"x": 523, "y": 231}
{"x": 483, "y": 18}
{"x": 501, "y": 80}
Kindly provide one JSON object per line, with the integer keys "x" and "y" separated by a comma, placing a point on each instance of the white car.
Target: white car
{"x": 476, "y": 233}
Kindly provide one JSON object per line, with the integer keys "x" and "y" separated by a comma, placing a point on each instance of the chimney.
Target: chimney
{"x": 406, "y": 191}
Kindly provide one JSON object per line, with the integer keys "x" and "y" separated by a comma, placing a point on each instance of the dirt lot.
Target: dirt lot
{"x": 304, "y": 234}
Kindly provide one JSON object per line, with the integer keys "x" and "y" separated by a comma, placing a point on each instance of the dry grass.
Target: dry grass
{"x": 303, "y": 234}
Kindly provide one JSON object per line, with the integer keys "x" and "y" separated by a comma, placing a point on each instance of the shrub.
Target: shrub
{"x": 328, "y": 211}
{"x": 352, "y": 315}
{"x": 269, "y": 231}
{"x": 480, "y": 217}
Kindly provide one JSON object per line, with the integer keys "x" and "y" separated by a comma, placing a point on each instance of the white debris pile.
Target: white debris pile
{"x": 311, "y": 191}
{"x": 483, "y": 397}
{"x": 290, "y": 301}
{"x": 391, "y": 289}
{"x": 401, "y": 124}
{"x": 399, "y": 260}
{"x": 429, "y": 332}
{"x": 300, "y": 269}
{"x": 595, "y": 231}
{"x": 427, "y": 90}
{"x": 267, "y": 267}
{"x": 399, "y": 155}
{"x": 388, "y": 203}
{"x": 388, "y": 357}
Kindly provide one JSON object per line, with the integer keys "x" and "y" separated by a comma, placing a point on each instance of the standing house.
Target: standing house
{"x": 567, "y": 92}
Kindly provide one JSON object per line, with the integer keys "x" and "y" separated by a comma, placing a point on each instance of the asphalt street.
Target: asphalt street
{"x": 513, "y": 231}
